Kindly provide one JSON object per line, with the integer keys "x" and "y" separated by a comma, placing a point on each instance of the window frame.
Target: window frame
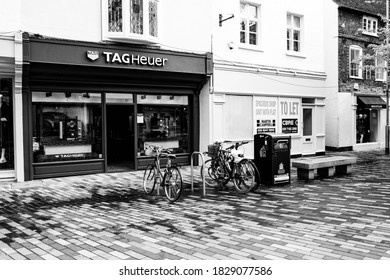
{"x": 380, "y": 76}
{"x": 360, "y": 64}
{"x": 125, "y": 34}
{"x": 290, "y": 31}
{"x": 81, "y": 135}
{"x": 247, "y": 31}
{"x": 369, "y": 21}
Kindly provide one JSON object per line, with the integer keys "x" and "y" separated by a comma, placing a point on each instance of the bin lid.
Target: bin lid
{"x": 275, "y": 135}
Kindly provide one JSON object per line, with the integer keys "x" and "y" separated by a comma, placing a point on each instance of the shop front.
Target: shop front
{"x": 369, "y": 121}
{"x": 11, "y": 167}
{"x": 97, "y": 107}
{"x": 266, "y": 102}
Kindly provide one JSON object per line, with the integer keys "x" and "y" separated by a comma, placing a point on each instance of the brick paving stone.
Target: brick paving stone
{"x": 16, "y": 256}
{"x": 32, "y": 256}
{"x": 119, "y": 255}
{"x": 343, "y": 217}
{"x": 49, "y": 257}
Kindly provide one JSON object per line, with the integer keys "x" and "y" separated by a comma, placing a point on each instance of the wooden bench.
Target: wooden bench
{"x": 325, "y": 165}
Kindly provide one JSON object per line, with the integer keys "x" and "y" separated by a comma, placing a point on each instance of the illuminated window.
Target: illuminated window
{"x": 249, "y": 24}
{"x": 294, "y": 33}
{"x": 370, "y": 26}
{"x": 131, "y": 20}
{"x": 355, "y": 62}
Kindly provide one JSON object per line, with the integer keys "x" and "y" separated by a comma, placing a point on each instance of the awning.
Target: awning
{"x": 371, "y": 102}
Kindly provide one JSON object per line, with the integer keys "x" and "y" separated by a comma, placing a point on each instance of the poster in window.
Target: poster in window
{"x": 265, "y": 114}
{"x": 289, "y": 109}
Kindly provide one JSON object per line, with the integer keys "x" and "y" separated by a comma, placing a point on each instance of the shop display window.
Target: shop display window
{"x": 162, "y": 121}
{"x": 363, "y": 130}
{"x": 66, "y": 126}
{"x": 6, "y": 125}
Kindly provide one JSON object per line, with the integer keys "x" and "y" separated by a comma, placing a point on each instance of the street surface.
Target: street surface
{"x": 108, "y": 216}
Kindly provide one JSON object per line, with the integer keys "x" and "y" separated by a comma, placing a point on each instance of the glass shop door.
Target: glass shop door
{"x": 120, "y": 137}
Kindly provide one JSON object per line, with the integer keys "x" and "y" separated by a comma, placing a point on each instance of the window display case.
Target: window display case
{"x": 6, "y": 125}
{"x": 162, "y": 121}
{"x": 66, "y": 126}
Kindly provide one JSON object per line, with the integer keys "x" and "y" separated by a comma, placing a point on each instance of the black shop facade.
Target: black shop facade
{"x": 97, "y": 107}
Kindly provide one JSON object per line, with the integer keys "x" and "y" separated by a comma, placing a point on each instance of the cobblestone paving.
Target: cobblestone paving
{"x": 107, "y": 216}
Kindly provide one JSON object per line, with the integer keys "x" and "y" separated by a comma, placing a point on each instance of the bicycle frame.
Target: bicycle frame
{"x": 229, "y": 165}
{"x": 170, "y": 179}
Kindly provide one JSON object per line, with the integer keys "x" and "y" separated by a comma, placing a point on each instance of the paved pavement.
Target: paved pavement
{"x": 107, "y": 216}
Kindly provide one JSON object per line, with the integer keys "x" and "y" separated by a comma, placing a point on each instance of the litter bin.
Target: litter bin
{"x": 272, "y": 158}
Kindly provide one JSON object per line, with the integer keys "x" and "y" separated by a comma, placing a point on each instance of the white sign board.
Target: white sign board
{"x": 265, "y": 114}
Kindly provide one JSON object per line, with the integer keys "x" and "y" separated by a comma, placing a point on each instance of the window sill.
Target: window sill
{"x": 370, "y": 34}
{"x": 357, "y": 78}
{"x": 296, "y": 54}
{"x": 127, "y": 38}
{"x": 250, "y": 47}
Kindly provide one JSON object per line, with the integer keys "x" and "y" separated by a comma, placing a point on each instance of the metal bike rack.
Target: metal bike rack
{"x": 192, "y": 172}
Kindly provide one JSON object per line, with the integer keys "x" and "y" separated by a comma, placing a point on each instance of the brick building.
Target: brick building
{"x": 356, "y": 112}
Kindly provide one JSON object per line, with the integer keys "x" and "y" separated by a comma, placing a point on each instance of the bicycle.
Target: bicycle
{"x": 171, "y": 180}
{"x": 229, "y": 164}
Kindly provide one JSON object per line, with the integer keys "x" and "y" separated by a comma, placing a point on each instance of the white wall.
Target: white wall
{"x": 68, "y": 19}
{"x": 273, "y": 34}
{"x": 186, "y": 25}
{"x": 240, "y": 71}
{"x": 183, "y": 25}
{"x": 333, "y": 109}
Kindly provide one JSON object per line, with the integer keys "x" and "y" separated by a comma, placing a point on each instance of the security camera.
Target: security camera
{"x": 231, "y": 45}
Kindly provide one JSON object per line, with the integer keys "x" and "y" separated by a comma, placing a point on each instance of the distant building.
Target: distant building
{"x": 356, "y": 111}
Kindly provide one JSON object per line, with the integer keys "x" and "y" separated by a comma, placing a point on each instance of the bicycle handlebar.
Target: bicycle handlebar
{"x": 236, "y": 145}
{"x": 159, "y": 149}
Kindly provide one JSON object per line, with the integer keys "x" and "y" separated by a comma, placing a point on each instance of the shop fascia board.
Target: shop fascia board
{"x": 49, "y": 50}
{"x": 221, "y": 93}
{"x": 270, "y": 70}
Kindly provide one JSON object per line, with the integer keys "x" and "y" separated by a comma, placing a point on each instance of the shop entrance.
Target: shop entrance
{"x": 120, "y": 137}
{"x": 366, "y": 125}
{"x": 309, "y": 141}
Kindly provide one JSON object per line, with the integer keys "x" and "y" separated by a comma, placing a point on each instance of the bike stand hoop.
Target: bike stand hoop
{"x": 192, "y": 172}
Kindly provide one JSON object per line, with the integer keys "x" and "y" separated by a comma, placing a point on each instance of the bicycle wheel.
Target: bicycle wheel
{"x": 172, "y": 183}
{"x": 244, "y": 176}
{"x": 150, "y": 178}
{"x": 257, "y": 176}
{"x": 209, "y": 172}
{"x": 215, "y": 173}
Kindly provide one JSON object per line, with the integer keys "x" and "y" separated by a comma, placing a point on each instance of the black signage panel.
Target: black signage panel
{"x": 85, "y": 54}
{"x": 289, "y": 125}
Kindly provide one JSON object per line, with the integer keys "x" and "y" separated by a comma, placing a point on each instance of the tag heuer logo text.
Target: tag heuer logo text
{"x": 93, "y": 55}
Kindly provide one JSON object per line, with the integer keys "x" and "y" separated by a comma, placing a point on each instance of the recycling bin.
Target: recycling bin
{"x": 273, "y": 158}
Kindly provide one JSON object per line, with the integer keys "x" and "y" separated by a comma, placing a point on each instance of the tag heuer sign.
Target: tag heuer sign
{"x": 93, "y": 55}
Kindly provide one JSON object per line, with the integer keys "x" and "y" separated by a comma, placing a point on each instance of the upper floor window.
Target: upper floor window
{"x": 355, "y": 62}
{"x": 249, "y": 24}
{"x": 294, "y": 33}
{"x": 370, "y": 26}
{"x": 134, "y": 20}
{"x": 380, "y": 69}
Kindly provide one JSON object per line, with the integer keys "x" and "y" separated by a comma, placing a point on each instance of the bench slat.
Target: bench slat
{"x": 322, "y": 162}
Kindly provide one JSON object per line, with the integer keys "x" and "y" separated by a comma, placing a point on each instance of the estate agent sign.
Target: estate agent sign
{"x": 276, "y": 114}
{"x": 265, "y": 109}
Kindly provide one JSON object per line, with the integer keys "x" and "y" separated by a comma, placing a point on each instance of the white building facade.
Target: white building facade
{"x": 89, "y": 85}
{"x": 270, "y": 73}
{"x": 217, "y": 70}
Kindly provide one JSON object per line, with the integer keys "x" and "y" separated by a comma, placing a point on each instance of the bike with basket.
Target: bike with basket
{"x": 229, "y": 164}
